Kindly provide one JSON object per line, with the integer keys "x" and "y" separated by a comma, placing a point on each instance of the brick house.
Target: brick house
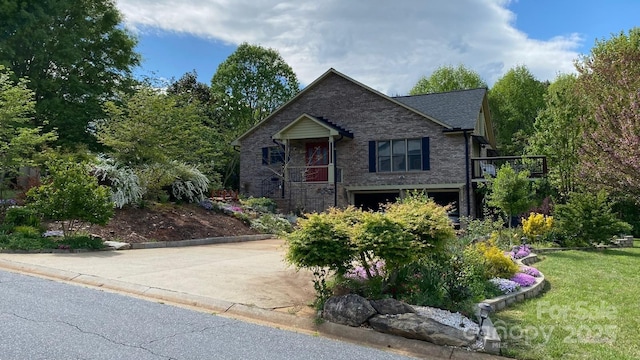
{"x": 339, "y": 142}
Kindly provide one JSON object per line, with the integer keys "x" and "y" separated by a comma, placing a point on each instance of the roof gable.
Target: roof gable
{"x": 328, "y": 73}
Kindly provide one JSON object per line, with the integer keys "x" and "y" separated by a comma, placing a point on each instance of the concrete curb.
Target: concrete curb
{"x": 362, "y": 336}
{"x": 205, "y": 241}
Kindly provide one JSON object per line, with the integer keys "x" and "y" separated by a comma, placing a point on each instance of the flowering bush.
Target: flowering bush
{"x": 530, "y": 271}
{"x": 519, "y": 252}
{"x": 523, "y": 279}
{"x": 497, "y": 263}
{"x": 504, "y": 285}
{"x": 360, "y": 273}
{"x": 536, "y": 224}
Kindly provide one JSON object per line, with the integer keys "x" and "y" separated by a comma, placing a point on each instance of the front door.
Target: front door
{"x": 317, "y": 160}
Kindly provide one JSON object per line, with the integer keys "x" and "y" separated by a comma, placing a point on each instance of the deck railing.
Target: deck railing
{"x": 318, "y": 174}
{"x": 536, "y": 165}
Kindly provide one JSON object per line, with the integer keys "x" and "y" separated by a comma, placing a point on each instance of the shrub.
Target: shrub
{"x": 320, "y": 241}
{"x": 341, "y": 239}
{"x": 22, "y": 216}
{"x": 587, "y": 219}
{"x": 453, "y": 282}
{"x": 28, "y": 231}
{"x": 269, "y": 223}
{"x": 189, "y": 183}
{"x": 475, "y": 229}
{"x": 377, "y": 236}
{"x": 124, "y": 183}
{"x": 498, "y": 265}
{"x": 427, "y": 221}
{"x": 70, "y": 194}
{"x": 81, "y": 242}
{"x": 536, "y": 225}
{"x": 18, "y": 241}
{"x": 261, "y": 204}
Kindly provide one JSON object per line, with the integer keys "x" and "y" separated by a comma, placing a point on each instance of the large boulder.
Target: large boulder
{"x": 415, "y": 326}
{"x": 350, "y": 309}
{"x": 391, "y": 307}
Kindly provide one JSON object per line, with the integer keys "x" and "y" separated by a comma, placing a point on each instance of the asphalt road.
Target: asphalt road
{"x": 43, "y": 319}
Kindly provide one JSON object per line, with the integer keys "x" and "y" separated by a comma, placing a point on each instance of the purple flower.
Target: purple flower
{"x": 359, "y": 272}
{"x": 530, "y": 271}
{"x": 523, "y": 279}
{"x": 519, "y": 252}
{"x": 8, "y": 202}
{"x": 506, "y": 286}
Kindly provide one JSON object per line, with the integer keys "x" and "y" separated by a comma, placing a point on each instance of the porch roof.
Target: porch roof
{"x": 309, "y": 127}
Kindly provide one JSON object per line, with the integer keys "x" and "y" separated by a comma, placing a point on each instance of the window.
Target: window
{"x": 399, "y": 155}
{"x": 272, "y": 155}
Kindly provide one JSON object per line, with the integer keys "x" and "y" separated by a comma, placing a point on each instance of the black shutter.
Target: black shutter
{"x": 425, "y": 153}
{"x": 265, "y": 156}
{"x": 372, "y": 156}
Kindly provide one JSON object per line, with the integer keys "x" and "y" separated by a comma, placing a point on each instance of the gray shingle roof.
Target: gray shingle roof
{"x": 459, "y": 109}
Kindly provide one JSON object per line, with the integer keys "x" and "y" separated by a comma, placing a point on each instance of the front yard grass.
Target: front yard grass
{"x": 590, "y": 310}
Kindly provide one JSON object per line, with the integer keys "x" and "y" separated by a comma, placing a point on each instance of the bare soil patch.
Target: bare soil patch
{"x": 168, "y": 222}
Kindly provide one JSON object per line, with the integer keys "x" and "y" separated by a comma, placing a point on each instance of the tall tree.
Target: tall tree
{"x": 75, "y": 54}
{"x": 515, "y": 101}
{"x": 150, "y": 128}
{"x": 610, "y": 81}
{"x": 448, "y": 78}
{"x": 558, "y": 135}
{"x": 253, "y": 82}
{"x": 249, "y": 85}
{"x": 19, "y": 139}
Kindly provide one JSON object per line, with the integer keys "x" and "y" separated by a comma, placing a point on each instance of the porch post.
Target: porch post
{"x": 331, "y": 170}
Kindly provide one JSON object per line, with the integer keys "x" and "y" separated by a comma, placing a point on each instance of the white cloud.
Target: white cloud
{"x": 387, "y": 45}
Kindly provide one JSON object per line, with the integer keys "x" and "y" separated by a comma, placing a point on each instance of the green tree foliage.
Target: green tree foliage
{"x": 510, "y": 191}
{"x": 448, "y": 78}
{"x": 558, "y": 135}
{"x": 610, "y": 81}
{"x": 587, "y": 219}
{"x": 75, "y": 53}
{"x": 150, "y": 128}
{"x": 19, "y": 139}
{"x": 71, "y": 195}
{"x": 189, "y": 91}
{"x": 249, "y": 85}
{"x": 515, "y": 101}
{"x": 252, "y": 82}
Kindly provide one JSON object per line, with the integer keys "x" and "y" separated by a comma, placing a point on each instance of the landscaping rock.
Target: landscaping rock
{"x": 419, "y": 327}
{"x": 350, "y": 309}
{"x": 116, "y": 245}
{"x": 391, "y": 307}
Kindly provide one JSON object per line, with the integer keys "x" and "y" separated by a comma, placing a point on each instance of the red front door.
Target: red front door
{"x": 317, "y": 159}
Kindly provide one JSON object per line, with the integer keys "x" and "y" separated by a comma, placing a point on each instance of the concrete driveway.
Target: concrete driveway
{"x": 251, "y": 273}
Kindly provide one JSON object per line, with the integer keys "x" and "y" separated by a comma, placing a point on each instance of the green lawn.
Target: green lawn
{"x": 590, "y": 309}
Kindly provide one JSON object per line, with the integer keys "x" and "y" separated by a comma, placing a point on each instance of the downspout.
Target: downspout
{"x": 467, "y": 169}
{"x": 335, "y": 172}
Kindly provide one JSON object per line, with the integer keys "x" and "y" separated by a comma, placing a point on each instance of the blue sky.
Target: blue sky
{"x": 388, "y": 47}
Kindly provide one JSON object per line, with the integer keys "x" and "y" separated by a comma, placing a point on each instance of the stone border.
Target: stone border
{"x": 205, "y": 241}
{"x": 491, "y": 340}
